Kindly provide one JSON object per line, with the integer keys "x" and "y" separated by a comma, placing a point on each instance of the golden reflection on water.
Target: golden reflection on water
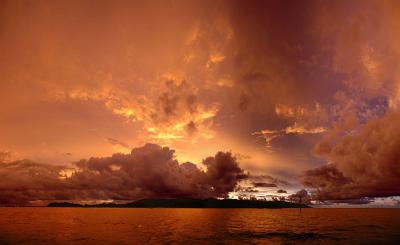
{"x": 198, "y": 226}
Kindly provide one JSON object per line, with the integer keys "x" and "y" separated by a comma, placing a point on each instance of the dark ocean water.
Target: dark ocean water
{"x": 198, "y": 226}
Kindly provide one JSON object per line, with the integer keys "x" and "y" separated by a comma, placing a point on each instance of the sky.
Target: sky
{"x": 119, "y": 100}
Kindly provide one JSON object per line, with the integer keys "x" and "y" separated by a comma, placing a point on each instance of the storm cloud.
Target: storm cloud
{"x": 148, "y": 171}
{"x": 362, "y": 165}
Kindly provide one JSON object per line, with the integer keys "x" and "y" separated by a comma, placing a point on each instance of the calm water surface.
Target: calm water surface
{"x": 198, "y": 226}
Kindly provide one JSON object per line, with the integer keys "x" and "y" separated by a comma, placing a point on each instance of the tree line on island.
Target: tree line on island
{"x": 189, "y": 203}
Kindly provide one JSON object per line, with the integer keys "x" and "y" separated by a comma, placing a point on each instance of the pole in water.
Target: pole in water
{"x": 301, "y": 201}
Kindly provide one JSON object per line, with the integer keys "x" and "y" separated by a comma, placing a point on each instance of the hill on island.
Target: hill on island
{"x": 188, "y": 203}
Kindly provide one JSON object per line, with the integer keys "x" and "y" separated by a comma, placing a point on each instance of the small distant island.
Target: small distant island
{"x": 187, "y": 203}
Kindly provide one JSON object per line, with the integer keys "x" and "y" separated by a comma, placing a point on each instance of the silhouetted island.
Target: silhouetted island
{"x": 188, "y": 203}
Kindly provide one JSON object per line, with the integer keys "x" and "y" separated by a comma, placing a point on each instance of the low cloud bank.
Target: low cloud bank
{"x": 148, "y": 171}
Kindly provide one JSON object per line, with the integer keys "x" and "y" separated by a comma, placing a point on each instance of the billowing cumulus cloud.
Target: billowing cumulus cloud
{"x": 362, "y": 165}
{"x": 148, "y": 171}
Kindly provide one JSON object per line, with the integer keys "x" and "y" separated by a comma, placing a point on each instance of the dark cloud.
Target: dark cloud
{"x": 191, "y": 128}
{"x": 363, "y": 165}
{"x": 301, "y": 196}
{"x": 241, "y": 189}
{"x": 113, "y": 141}
{"x": 276, "y": 53}
{"x": 23, "y": 181}
{"x": 325, "y": 176}
{"x": 263, "y": 184}
{"x": 357, "y": 201}
{"x": 269, "y": 179}
{"x": 281, "y": 191}
{"x": 178, "y": 98}
{"x": 223, "y": 173}
{"x": 149, "y": 171}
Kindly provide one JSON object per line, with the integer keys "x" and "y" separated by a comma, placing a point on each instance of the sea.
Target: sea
{"x": 199, "y": 226}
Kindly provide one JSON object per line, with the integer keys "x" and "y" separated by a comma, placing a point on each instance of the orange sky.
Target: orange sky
{"x": 271, "y": 81}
